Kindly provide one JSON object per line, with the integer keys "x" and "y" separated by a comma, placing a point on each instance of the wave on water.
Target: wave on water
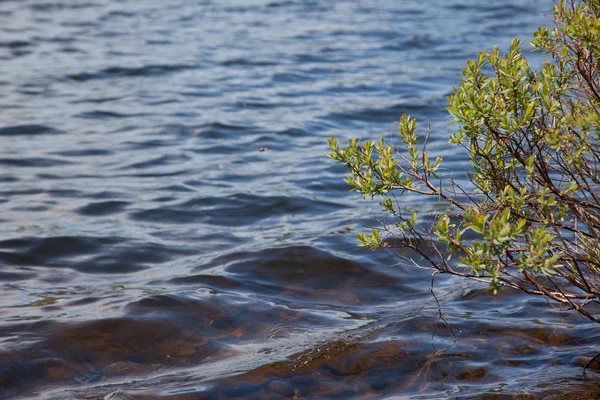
{"x": 171, "y": 227}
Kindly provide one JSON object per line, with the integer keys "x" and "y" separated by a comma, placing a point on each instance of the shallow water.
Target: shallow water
{"x": 170, "y": 225}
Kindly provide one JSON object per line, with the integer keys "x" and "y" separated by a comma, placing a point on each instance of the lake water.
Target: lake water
{"x": 171, "y": 227}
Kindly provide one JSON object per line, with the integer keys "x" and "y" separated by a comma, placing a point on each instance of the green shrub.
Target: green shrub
{"x": 530, "y": 219}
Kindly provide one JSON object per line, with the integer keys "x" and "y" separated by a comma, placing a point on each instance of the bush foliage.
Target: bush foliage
{"x": 530, "y": 219}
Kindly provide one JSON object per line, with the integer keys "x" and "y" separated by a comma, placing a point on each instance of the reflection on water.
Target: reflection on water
{"x": 170, "y": 226}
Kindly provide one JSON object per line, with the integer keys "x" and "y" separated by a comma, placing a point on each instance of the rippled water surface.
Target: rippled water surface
{"x": 170, "y": 225}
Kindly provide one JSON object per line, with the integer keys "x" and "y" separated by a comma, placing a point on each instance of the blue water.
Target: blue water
{"x": 170, "y": 225}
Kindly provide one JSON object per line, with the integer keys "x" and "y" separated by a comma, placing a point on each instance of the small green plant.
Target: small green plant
{"x": 530, "y": 217}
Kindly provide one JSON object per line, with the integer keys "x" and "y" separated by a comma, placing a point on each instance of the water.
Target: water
{"x": 170, "y": 226}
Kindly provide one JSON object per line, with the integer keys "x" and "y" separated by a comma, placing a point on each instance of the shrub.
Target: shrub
{"x": 530, "y": 217}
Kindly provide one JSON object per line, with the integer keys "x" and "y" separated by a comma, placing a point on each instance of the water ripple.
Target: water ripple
{"x": 117, "y": 72}
{"x": 172, "y": 228}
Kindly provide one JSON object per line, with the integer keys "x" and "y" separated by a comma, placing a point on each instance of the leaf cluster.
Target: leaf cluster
{"x": 531, "y": 217}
